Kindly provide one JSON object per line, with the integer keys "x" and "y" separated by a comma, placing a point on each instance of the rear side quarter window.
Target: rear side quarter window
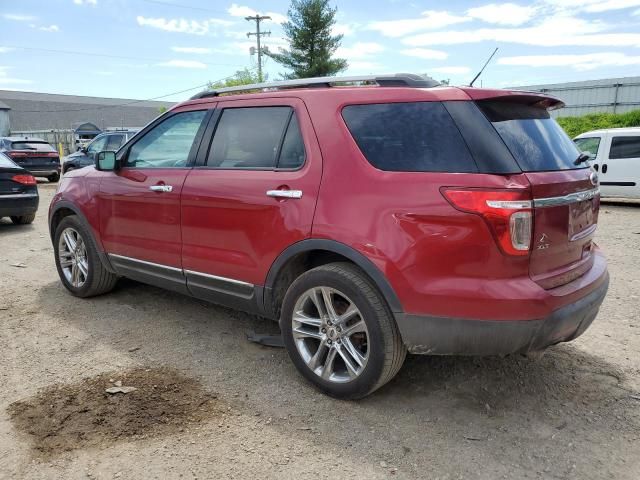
{"x": 409, "y": 137}
{"x": 590, "y": 145}
{"x": 625, "y": 147}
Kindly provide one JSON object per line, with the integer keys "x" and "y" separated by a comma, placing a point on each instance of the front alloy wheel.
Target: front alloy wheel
{"x": 330, "y": 334}
{"x": 72, "y": 255}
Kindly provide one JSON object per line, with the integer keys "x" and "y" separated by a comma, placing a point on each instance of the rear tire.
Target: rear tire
{"x": 54, "y": 178}
{"x": 23, "y": 219}
{"x": 70, "y": 169}
{"x": 78, "y": 262}
{"x": 357, "y": 327}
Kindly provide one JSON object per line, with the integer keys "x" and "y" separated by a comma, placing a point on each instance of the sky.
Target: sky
{"x": 169, "y": 49}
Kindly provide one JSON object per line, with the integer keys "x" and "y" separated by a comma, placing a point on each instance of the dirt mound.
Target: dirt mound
{"x": 67, "y": 417}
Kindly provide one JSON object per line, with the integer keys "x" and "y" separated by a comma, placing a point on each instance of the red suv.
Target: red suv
{"x": 371, "y": 216}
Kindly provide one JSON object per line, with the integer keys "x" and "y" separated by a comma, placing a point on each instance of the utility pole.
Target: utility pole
{"x": 257, "y": 18}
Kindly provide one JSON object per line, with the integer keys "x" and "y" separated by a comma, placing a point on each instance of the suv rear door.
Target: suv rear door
{"x": 139, "y": 204}
{"x": 565, "y": 195}
{"x": 252, "y": 194}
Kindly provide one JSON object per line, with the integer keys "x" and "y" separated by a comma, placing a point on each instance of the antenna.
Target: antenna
{"x": 483, "y": 67}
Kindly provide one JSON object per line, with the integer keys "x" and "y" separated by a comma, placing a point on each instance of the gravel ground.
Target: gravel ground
{"x": 246, "y": 413}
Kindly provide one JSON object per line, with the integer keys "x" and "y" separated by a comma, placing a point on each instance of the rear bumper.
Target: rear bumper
{"x": 18, "y": 205}
{"x": 452, "y": 336}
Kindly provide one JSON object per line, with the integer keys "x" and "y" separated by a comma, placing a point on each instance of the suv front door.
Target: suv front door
{"x": 139, "y": 204}
{"x": 620, "y": 175}
{"x": 252, "y": 194}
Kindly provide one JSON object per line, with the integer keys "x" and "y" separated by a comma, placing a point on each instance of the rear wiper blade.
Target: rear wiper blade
{"x": 583, "y": 157}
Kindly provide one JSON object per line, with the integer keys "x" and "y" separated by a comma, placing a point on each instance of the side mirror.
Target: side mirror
{"x": 106, "y": 161}
{"x": 83, "y": 149}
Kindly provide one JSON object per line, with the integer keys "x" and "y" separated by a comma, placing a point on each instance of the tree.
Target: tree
{"x": 311, "y": 43}
{"x": 241, "y": 77}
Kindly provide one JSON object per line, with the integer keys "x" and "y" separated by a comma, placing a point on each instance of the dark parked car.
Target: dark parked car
{"x": 370, "y": 220}
{"x": 109, "y": 141}
{"x": 18, "y": 192}
{"x": 34, "y": 155}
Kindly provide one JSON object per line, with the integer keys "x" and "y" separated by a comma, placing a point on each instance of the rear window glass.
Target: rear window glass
{"x": 625, "y": 147}
{"x": 36, "y": 146}
{"x": 6, "y": 162}
{"x": 409, "y": 137}
{"x": 535, "y": 139}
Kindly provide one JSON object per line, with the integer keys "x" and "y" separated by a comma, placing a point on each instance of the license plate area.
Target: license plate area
{"x": 581, "y": 219}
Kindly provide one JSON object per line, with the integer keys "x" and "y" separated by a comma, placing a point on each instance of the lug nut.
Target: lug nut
{"x": 324, "y": 330}
{"x": 328, "y": 342}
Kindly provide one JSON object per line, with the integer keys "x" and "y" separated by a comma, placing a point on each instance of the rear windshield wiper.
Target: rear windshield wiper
{"x": 583, "y": 157}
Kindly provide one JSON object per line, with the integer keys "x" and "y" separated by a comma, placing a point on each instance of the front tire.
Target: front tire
{"x": 339, "y": 331}
{"x": 78, "y": 262}
{"x": 23, "y": 219}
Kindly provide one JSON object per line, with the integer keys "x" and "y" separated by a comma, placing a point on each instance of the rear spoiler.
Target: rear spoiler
{"x": 534, "y": 99}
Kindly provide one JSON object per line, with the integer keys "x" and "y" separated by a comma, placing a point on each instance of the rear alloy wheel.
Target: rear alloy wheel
{"x": 339, "y": 331}
{"x": 78, "y": 262}
{"x": 23, "y": 219}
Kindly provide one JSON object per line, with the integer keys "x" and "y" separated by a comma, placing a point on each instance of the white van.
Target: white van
{"x": 615, "y": 154}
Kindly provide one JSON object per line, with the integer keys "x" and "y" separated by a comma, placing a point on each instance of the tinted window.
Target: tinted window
{"x": 248, "y": 137}
{"x": 6, "y": 162}
{"x": 167, "y": 144}
{"x": 114, "y": 142}
{"x": 625, "y": 147}
{"x": 36, "y": 146}
{"x": 535, "y": 139}
{"x": 98, "y": 145}
{"x": 292, "y": 152}
{"x": 589, "y": 145}
{"x": 409, "y": 137}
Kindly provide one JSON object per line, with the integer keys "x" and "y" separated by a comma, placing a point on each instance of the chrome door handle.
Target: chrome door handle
{"x": 284, "y": 193}
{"x": 161, "y": 188}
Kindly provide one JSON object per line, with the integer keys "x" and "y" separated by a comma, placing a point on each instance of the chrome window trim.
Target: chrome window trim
{"x": 566, "y": 199}
{"x": 183, "y": 271}
{"x": 216, "y": 277}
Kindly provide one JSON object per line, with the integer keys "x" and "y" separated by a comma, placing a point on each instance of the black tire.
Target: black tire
{"x": 69, "y": 169}
{"x": 23, "y": 219}
{"x": 54, "y": 178}
{"x": 386, "y": 352}
{"x": 99, "y": 280}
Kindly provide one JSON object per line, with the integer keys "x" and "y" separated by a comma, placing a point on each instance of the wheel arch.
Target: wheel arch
{"x": 310, "y": 253}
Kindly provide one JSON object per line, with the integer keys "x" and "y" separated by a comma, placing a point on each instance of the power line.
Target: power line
{"x": 257, "y": 18}
{"x": 133, "y": 102}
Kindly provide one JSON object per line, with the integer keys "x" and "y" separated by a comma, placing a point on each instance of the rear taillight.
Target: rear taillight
{"x": 24, "y": 179}
{"x": 17, "y": 154}
{"x": 507, "y": 212}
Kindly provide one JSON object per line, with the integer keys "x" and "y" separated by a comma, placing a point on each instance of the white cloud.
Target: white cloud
{"x": 5, "y": 49}
{"x": 183, "y": 64}
{"x": 345, "y": 29}
{"x": 581, "y": 62}
{"x": 430, "y": 20}
{"x": 50, "y": 28}
{"x": 425, "y": 53}
{"x": 86, "y": 2}
{"x": 451, "y": 70}
{"x": 196, "y": 50}
{"x": 636, "y": 13}
{"x": 607, "y": 5}
{"x": 5, "y": 79}
{"x": 556, "y": 30}
{"x": 244, "y": 11}
{"x": 18, "y": 17}
{"x": 503, "y": 13}
{"x": 181, "y": 25}
{"x": 360, "y": 50}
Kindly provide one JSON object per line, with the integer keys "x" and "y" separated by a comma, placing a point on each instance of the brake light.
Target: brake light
{"x": 17, "y": 154}
{"x": 507, "y": 212}
{"x": 24, "y": 179}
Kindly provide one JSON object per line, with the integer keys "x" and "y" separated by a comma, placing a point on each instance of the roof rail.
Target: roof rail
{"x": 395, "y": 80}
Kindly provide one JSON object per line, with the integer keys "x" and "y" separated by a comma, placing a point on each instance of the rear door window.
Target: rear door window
{"x": 535, "y": 139}
{"x": 250, "y": 138}
{"x": 625, "y": 147}
{"x": 409, "y": 137}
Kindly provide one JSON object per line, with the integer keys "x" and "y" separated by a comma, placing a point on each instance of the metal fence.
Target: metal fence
{"x": 611, "y": 95}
